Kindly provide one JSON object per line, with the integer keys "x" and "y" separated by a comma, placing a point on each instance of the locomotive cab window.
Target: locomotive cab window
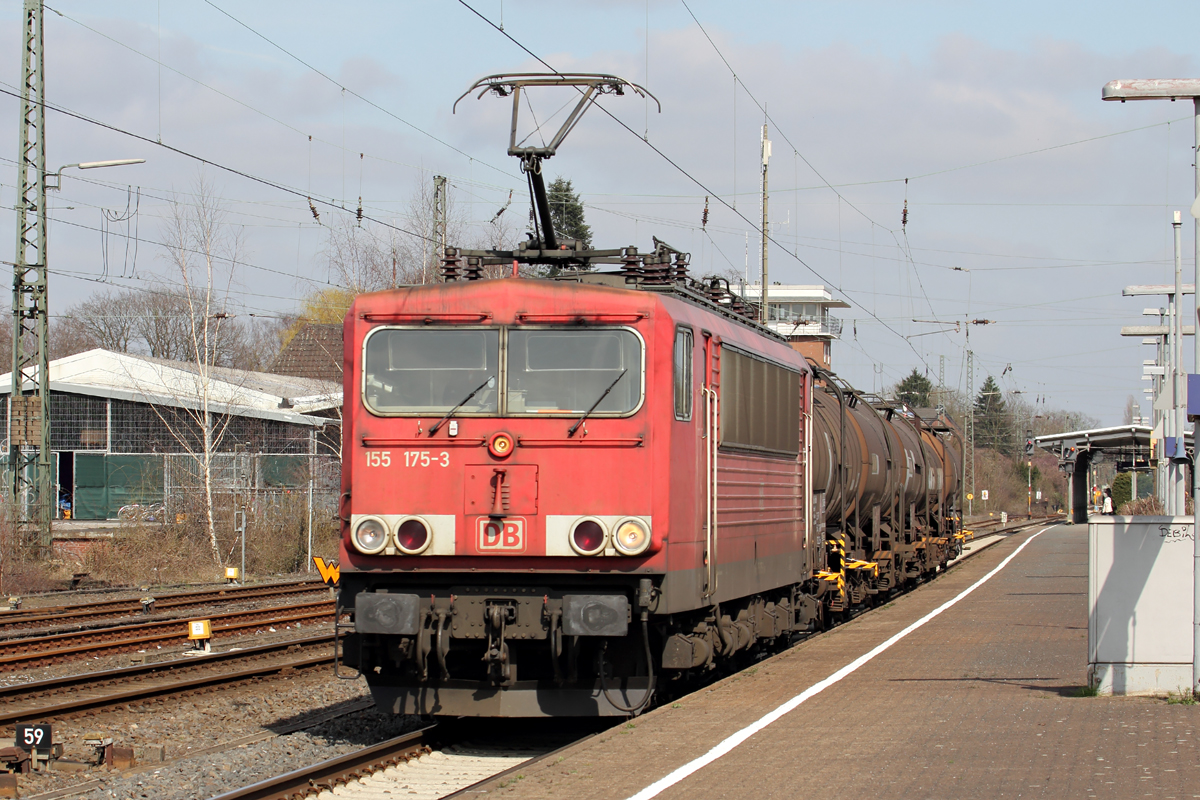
{"x": 422, "y": 371}
{"x": 568, "y": 371}
{"x": 683, "y": 373}
{"x": 760, "y": 405}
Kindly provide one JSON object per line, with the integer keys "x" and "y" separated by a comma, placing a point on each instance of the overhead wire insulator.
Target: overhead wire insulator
{"x": 358, "y": 213}
{"x": 313, "y": 209}
{"x": 704, "y": 217}
{"x": 504, "y": 207}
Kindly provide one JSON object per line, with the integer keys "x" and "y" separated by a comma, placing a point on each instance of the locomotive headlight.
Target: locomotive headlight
{"x": 370, "y": 536}
{"x": 631, "y": 538}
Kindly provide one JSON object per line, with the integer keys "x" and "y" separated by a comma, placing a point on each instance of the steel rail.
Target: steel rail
{"x": 27, "y": 651}
{"x": 50, "y": 686}
{"x": 161, "y": 602}
{"x": 342, "y": 769}
{"x": 141, "y": 693}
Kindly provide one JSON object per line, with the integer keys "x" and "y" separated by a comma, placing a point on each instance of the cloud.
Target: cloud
{"x": 857, "y": 114}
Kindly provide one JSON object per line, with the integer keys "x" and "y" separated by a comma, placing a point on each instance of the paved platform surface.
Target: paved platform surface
{"x": 980, "y": 702}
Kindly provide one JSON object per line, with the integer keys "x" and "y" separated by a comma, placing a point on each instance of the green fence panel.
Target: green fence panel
{"x": 133, "y": 479}
{"x": 104, "y": 483}
{"x": 91, "y": 481}
{"x": 284, "y": 470}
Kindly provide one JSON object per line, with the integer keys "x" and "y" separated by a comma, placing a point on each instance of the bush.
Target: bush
{"x": 151, "y": 554}
{"x": 1122, "y": 489}
{"x": 1142, "y": 507}
{"x": 24, "y": 567}
{"x": 1149, "y": 506}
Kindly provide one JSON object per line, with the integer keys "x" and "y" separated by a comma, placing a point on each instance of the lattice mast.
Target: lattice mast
{"x": 29, "y": 412}
{"x": 969, "y": 444}
{"x": 766, "y": 279}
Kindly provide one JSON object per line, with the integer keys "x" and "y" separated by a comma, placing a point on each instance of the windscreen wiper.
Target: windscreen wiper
{"x": 599, "y": 400}
{"x": 491, "y": 379}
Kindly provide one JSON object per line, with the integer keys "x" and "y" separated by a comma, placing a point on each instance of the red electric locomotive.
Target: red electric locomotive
{"x": 563, "y": 494}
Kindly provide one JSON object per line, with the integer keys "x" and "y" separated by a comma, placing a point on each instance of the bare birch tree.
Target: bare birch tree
{"x": 202, "y": 250}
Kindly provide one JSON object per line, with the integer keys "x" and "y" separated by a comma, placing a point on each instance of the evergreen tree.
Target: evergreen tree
{"x": 566, "y": 211}
{"x": 993, "y": 426}
{"x": 914, "y": 390}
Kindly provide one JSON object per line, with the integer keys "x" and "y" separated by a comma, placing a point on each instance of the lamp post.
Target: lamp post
{"x": 118, "y": 162}
{"x": 1174, "y": 89}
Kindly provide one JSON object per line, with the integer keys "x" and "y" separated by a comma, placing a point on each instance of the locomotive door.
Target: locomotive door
{"x": 712, "y": 420}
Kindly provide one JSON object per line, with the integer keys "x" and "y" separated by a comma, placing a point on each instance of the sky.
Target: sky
{"x": 1031, "y": 203}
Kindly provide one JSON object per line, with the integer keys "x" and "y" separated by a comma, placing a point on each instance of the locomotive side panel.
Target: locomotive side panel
{"x": 757, "y": 495}
{"x": 759, "y": 486}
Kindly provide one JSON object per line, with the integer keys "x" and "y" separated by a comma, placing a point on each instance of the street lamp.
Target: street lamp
{"x": 1174, "y": 89}
{"x": 119, "y": 162}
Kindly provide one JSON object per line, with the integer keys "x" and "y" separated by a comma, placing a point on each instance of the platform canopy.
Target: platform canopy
{"x": 1122, "y": 437}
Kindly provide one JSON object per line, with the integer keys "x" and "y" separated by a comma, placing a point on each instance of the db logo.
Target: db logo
{"x": 502, "y": 534}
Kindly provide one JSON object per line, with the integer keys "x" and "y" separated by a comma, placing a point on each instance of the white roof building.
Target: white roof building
{"x": 156, "y": 381}
{"x": 129, "y": 429}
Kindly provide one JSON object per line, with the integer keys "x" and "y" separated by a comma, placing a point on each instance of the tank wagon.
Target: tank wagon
{"x": 563, "y": 496}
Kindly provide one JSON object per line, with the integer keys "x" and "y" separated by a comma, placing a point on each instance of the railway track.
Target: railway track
{"x": 418, "y": 767}
{"x": 444, "y": 761}
{"x": 447, "y": 761}
{"x": 58, "y": 698}
{"x": 33, "y": 651}
{"x": 79, "y": 613}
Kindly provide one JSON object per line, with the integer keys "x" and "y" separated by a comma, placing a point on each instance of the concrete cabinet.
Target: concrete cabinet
{"x": 1140, "y": 604}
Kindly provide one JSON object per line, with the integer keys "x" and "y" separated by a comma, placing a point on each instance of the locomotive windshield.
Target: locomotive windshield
{"x": 420, "y": 371}
{"x": 555, "y": 371}
{"x": 431, "y": 371}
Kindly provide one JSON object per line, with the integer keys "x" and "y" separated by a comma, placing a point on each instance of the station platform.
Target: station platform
{"x": 981, "y": 700}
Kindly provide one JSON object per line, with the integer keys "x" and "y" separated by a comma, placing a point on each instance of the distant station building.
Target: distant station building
{"x": 128, "y": 429}
{"x": 801, "y": 315}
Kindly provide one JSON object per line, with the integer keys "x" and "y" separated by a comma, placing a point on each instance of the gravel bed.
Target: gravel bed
{"x": 197, "y": 722}
{"x": 242, "y": 766}
{"x": 215, "y": 719}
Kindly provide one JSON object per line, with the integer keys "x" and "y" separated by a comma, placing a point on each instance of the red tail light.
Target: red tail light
{"x": 412, "y": 536}
{"x": 588, "y": 538}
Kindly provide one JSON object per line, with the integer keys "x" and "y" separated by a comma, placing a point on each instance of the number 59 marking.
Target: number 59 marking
{"x": 30, "y": 737}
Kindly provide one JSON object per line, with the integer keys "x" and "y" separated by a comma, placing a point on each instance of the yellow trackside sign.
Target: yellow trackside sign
{"x": 329, "y": 572}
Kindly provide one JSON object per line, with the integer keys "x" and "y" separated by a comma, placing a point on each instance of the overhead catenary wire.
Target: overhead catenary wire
{"x": 910, "y": 250}
{"x": 353, "y": 93}
{"x": 215, "y": 164}
{"x": 658, "y": 151}
{"x": 255, "y": 109}
{"x": 796, "y": 152}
